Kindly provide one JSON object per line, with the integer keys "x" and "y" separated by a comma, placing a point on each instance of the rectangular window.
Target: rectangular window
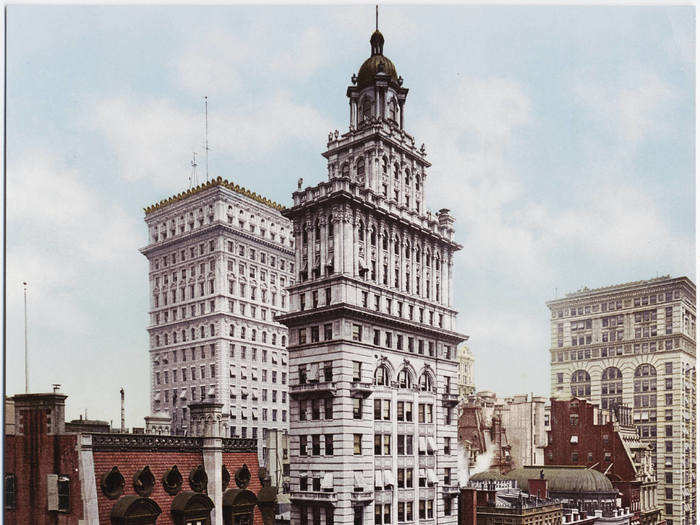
{"x": 356, "y": 371}
{"x": 357, "y": 444}
{"x": 329, "y": 444}
{"x": 356, "y": 408}
{"x": 10, "y": 491}
{"x": 356, "y": 332}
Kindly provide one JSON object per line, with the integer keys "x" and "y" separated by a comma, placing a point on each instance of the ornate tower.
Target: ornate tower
{"x": 372, "y": 346}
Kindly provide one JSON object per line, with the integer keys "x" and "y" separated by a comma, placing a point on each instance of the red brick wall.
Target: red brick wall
{"x": 233, "y": 461}
{"x": 590, "y": 439}
{"x": 160, "y": 462}
{"x": 130, "y": 462}
{"x": 467, "y": 507}
{"x": 31, "y": 457}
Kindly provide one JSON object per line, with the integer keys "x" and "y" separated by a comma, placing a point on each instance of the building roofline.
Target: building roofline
{"x": 211, "y": 184}
{"x": 616, "y": 288}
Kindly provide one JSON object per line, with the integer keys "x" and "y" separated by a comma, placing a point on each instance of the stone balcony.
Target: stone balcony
{"x": 361, "y": 390}
{"x": 449, "y": 399}
{"x": 314, "y": 389}
{"x": 362, "y": 497}
{"x": 313, "y": 496}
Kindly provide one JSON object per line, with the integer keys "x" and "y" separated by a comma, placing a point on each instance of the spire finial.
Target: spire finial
{"x": 376, "y": 17}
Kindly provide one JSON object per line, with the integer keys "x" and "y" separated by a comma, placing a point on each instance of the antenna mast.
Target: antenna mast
{"x": 193, "y": 163}
{"x": 206, "y": 135}
{"x": 26, "y": 345}
{"x": 376, "y": 16}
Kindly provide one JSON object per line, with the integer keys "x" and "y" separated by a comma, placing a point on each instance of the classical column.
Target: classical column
{"x": 449, "y": 279}
{"x": 347, "y": 241}
{"x": 323, "y": 252}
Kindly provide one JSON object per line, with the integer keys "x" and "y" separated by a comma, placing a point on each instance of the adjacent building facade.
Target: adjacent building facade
{"x": 465, "y": 377}
{"x": 511, "y": 431}
{"x": 53, "y": 475}
{"x": 220, "y": 258}
{"x": 373, "y": 364}
{"x": 634, "y": 344}
{"x": 606, "y": 440}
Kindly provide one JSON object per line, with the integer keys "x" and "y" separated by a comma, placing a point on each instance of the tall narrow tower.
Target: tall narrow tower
{"x": 373, "y": 370}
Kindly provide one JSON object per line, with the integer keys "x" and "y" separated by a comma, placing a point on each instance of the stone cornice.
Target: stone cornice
{"x": 337, "y": 311}
{"x": 210, "y": 184}
{"x": 343, "y": 195}
{"x": 624, "y": 291}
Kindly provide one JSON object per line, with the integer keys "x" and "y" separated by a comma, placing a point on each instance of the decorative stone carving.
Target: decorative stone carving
{"x": 242, "y": 477}
{"x": 172, "y": 481}
{"x": 144, "y": 481}
{"x": 198, "y": 479}
{"x": 112, "y": 483}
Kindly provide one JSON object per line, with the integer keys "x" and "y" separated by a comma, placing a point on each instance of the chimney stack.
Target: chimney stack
{"x": 123, "y": 427}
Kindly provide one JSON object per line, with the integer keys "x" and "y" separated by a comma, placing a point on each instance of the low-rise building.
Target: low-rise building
{"x": 586, "y": 490}
{"x": 606, "y": 440}
{"x": 56, "y": 476}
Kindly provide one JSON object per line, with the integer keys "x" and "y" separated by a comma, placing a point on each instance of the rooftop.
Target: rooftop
{"x": 211, "y": 184}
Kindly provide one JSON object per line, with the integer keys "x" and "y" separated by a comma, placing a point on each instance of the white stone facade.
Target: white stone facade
{"x": 465, "y": 378}
{"x": 373, "y": 364}
{"x": 220, "y": 259}
{"x": 635, "y": 344}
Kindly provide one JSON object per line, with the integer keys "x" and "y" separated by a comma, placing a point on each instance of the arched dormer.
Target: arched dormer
{"x": 426, "y": 381}
{"x": 381, "y": 376}
{"x": 406, "y": 377}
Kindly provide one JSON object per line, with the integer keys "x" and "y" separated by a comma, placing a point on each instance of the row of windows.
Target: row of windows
{"x": 609, "y": 306}
{"x": 610, "y": 351}
{"x": 254, "y": 374}
{"x": 254, "y": 395}
{"x": 245, "y": 412}
{"x": 398, "y": 342}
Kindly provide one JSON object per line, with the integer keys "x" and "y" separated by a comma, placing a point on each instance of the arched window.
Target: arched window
{"x": 345, "y": 170}
{"x": 427, "y": 258}
{"x": 304, "y": 236}
{"x": 361, "y": 231}
{"x": 253, "y": 334}
{"x": 385, "y": 165}
{"x": 425, "y": 382}
{"x": 385, "y": 241}
{"x": 611, "y": 388}
{"x": 274, "y": 339}
{"x": 393, "y": 109}
{"x": 242, "y": 332}
{"x": 330, "y": 226}
{"x": 373, "y": 236}
{"x": 396, "y": 171}
{"x": 360, "y": 169}
{"x": 405, "y": 378}
{"x": 408, "y": 251}
{"x": 366, "y": 108}
{"x": 284, "y": 341}
{"x": 581, "y": 384}
{"x": 418, "y": 253}
{"x": 317, "y": 231}
{"x": 264, "y": 337}
{"x": 645, "y": 386}
{"x": 381, "y": 376}
{"x": 407, "y": 180}
{"x": 396, "y": 245}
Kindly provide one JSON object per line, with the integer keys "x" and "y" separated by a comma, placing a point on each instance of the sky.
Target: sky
{"x": 562, "y": 139}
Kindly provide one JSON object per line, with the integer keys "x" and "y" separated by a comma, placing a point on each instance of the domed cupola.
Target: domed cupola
{"x": 376, "y": 94}
{"x": 377, "y": 63}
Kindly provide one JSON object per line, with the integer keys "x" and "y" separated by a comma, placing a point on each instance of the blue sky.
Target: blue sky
{"x": 562, "y": 138}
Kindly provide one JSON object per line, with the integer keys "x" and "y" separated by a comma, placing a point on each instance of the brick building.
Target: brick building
{"x": 53, "y": 476}
{"x": 484, "y": 505}
{"x": 583, "y": 434}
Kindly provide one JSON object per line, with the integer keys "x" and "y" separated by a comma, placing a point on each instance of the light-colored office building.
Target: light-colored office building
{"x": 373, "y": 363}
{"x": 634, "y": 344}
{"x": 465, "y": 376}
{"x": 220, "y": 258}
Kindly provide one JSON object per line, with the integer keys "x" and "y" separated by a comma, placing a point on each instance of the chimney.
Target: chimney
{"x": 467, "y": 507}
{"x": 43, "y": 412}
{"x": 123, "y": 427}
{"x": 207, "y": 420}
{"x": 538, "y": 487}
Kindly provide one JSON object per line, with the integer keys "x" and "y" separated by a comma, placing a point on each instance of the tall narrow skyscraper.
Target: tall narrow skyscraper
{"x": 373, "y": 368}
{"x": 219, "y": 258}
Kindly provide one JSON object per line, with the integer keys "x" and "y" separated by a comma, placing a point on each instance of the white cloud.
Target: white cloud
{"x": 154, "y": 138}
{"x": 629, "y": 107}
